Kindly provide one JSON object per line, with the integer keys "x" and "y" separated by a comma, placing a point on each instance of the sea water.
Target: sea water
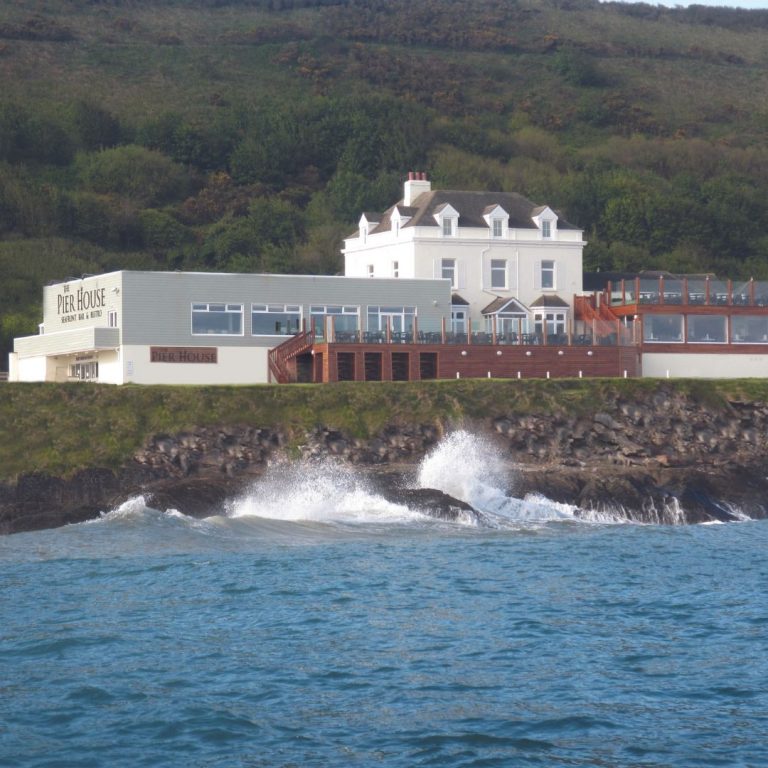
{"x": 312, "y": 623}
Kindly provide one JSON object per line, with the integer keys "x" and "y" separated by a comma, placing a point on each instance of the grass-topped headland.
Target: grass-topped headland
{"x": 60, "y": 428}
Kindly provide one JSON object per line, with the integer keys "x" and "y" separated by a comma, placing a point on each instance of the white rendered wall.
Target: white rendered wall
{"x": 236, "y": 365}
{"x": 703, "y": 366}
{"x": 110, "y": 368}
{"x": 35, "y": 369}
{"x": 419, "y": 253}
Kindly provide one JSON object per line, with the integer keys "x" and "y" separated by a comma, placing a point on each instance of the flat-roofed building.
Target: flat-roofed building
{"x": 207, "y": 328}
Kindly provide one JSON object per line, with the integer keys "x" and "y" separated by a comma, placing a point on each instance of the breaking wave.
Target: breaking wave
{"x": 463, "y": 466}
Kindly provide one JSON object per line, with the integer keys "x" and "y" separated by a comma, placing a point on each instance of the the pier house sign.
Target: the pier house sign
{"x": 183, "y": 355}
{"x": 82, "y": 304}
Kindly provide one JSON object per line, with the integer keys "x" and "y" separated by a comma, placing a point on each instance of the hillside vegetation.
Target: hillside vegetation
{"x": 249, "y": 136}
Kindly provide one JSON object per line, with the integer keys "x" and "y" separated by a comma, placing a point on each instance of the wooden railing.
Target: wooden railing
{"x": 283, "y": 353}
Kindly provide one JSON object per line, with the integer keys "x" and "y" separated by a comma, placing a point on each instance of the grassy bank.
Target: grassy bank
{"x": 59, "y": 428}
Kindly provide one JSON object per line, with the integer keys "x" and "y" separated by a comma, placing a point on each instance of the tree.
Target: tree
{"x": 143, "y": 176}
{"x": 93, "y": 126}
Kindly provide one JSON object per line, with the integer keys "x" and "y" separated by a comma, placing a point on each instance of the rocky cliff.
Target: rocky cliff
{"x": 662, "y": 454}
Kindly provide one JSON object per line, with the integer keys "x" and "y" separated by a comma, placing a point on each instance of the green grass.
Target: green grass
{"x": 60, "y": 428}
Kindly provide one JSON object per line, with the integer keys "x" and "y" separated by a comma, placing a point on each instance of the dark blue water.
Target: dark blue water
{"x": 376, "y": 636}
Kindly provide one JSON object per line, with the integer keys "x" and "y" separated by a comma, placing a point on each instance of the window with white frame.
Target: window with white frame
{"x": 345, "y": 319}
{"x": 448, "y": 271}
{"x": 498, "y": 227}
{"x": 370, "y": 270}
{"x": 448, "y": 226}
{"x": 395, "y": 269}
{"x": 399, "y": 319}
{"x": 546, "y": 229}
{"x": 499, "y": 274}
{"x": 548, "y": 274}
{"x": 458, "y": 320}
{"x": 210, "y": 319}
{"x": 275, "y": 319}
{"x": 551, "y": 322}
{"x": 112, "y": 318}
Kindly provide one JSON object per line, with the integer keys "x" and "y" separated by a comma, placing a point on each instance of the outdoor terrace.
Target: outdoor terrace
{"x": 698, "y": 292}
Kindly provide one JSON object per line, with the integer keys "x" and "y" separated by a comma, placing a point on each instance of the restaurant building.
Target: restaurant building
{"x": 207, "y": 328}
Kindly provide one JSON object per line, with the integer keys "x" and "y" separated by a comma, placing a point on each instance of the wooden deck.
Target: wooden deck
{"x": 330, "y": 362}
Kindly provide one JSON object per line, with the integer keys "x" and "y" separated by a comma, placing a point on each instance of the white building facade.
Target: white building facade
{"x": 205, "y": 328}
{"x": 511, "y": 263}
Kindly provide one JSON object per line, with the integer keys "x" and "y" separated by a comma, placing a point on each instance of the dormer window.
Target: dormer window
{"x": 400, "y": 217}
{"x": 497, "y": 220}
{"x": 367, "y": 223}
{"x": 447, "y": 218}
{"x": 546, "y": 220}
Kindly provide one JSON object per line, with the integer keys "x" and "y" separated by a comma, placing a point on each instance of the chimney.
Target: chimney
{"x": 416, "y": 185}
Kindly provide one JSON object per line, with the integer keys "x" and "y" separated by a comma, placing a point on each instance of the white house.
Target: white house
{"x": 510, "y": 262}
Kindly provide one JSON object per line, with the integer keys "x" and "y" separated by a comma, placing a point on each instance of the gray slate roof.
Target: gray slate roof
{"x": 471, "y": 207}
{"x": 549, "y": 301}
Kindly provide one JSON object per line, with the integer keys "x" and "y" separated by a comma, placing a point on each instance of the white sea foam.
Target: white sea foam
{"x": 470, "y": 468}
{"x": 320, "y": 491}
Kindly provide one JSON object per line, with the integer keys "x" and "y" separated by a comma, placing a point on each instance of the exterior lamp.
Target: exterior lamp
{"x": 463, "y": 352}
{"x": 528, "y": 353}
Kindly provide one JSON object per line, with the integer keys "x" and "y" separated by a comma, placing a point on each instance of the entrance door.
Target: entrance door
{"x": 458, "y": 320}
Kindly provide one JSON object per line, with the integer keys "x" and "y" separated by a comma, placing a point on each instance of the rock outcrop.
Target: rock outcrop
{"x": 666, "y": 457}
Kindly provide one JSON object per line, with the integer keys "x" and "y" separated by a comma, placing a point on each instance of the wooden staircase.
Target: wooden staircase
{"x": 281, "y": 355}
{"x": 600, "y": 319}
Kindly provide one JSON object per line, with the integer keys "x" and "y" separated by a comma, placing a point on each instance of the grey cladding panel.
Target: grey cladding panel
{"x": 157, "y": 305}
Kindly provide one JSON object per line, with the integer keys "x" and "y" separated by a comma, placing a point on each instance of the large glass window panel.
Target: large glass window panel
{"x": 673, "y": 291}
{"x": 761, "y": 293}
{"x": 742, "y": 293}
{"x": 718, "y": 292}
{"x": 707, "y": 329}
{"x": 217, "y": 319}
{"x": 662, "y": 328}
{"x": 346, "y": 319}
{"x": 649, "y": 291}
{"x": 275, "y": 319}
{"x": 697, "y": 291}
{"x": 749, "y": 329}
{"x": 400, "y": 318}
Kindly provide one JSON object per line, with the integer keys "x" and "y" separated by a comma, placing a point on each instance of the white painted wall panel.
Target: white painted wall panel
{"x": 720, "y": 366}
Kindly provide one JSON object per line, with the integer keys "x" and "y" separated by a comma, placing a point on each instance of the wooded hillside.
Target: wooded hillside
{"x": 249, "y": 136}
